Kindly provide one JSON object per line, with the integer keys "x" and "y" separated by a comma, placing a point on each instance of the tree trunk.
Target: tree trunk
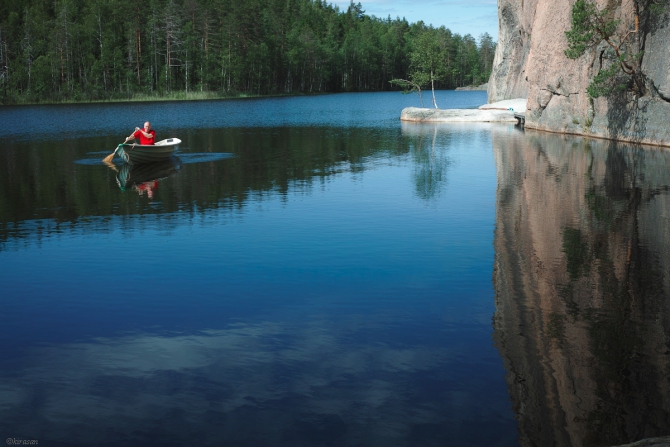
{"x": 102, "y": 57}
{"x": 432, "y": 87}
{"x": 139, "y": 56}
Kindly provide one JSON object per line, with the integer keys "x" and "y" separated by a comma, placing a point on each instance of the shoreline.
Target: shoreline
{"x": 182, "y": 96}
{"x": 204, "y": 96}
{"x": 497, "y": 112}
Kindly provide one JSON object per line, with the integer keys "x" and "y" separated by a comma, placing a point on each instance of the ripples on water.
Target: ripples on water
{"x": 310, "y": 271}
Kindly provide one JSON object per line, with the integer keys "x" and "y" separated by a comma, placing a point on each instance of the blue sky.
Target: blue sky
{"x": 460, "y": 16}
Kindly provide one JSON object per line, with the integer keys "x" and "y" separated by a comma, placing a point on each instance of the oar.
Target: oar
{"x": 108, "y": 159}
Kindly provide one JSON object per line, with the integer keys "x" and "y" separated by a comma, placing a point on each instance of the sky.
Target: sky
{"x": 473, "y": 17}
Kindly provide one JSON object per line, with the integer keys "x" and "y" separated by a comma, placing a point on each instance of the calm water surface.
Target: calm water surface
{"x": 311, "y": 272}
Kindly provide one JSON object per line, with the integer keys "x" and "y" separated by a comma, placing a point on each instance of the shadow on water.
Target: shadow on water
{"x": 582, "y": 280}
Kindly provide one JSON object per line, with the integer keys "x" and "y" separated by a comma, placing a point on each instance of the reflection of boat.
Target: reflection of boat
{"x": 138, "y": 153}
{"x": 145, "y": 177}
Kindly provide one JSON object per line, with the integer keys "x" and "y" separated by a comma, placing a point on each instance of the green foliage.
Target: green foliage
{"x": 408, "y": 86}
{"x": 427, "y": 54}
{"x": 606, "y": 82}
{"x": 658, "y": 7}
{"x": 119, "y": 49}
{"x": 439, "y": 58}
{"x": 426, "y": 60}
{"x": 590, "y": 28}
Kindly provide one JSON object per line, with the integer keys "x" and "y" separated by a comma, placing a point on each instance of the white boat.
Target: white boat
{"x": 141, "y": 153}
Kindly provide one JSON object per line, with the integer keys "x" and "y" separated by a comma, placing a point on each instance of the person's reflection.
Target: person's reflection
{"x": 148, "y": 187}
{"x": 144, "y": 178}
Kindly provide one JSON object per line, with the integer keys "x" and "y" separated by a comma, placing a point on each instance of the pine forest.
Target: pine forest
{"x": 96, "y": 50}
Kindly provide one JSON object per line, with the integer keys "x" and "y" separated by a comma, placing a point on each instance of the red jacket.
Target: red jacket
{"x": 143, "y": 139}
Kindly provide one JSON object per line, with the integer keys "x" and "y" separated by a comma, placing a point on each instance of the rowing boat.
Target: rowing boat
{"x": 141, "y": 153}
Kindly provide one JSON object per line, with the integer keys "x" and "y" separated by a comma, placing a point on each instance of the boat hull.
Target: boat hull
{"x": 138, "y": 153}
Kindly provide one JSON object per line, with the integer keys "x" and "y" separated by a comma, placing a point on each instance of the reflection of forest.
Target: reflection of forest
{"x": 430, "y": 158}
{"x": 431, "y": 145}
{"x": 40, "y": 181}
{"x": 582, "y": 277}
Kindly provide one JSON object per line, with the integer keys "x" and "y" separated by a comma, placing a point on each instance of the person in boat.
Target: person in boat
{"x": 147, "y": 135}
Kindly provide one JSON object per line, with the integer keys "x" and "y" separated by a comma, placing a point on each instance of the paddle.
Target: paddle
{"x": 108, "y": 159}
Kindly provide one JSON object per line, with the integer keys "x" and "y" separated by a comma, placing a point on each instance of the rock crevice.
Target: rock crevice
{"x": 658, "y": 92}
{"x": 558, "y": 93}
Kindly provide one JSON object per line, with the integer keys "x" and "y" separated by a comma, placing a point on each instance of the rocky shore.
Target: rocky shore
{"x": 473, "y": 87}
{"x": 555, "y": 86}
{"x": 499, "y": 112}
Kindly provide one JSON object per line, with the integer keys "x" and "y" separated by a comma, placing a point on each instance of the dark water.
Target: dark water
{"x": 312, "y": 272}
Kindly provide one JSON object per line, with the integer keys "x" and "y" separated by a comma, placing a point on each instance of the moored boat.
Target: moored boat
{"x": 139, "y": 153}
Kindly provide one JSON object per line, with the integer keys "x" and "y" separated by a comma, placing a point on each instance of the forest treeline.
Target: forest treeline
{"x": 80, "y": 50}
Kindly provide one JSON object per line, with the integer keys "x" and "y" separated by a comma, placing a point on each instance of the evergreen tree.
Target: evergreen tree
{"x": 620, "y": 62}
{"x": 62, "y": 50}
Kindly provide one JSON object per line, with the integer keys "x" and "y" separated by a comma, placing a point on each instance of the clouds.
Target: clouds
{"x": 272, "y": 383}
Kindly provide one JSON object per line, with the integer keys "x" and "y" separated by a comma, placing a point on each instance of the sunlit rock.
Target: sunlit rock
{"x": 456, "y": 115}
{"x": 537, "y": 68}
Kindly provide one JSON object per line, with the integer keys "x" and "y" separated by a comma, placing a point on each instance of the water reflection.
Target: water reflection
{"x": 298, "y": 291}
{"x": 430, "y": 165}
{"x": 582, "y": 274}
{"x": 316, "y": 381}
{"x": 144, "y": 178}
{"x": 54, "y": 181}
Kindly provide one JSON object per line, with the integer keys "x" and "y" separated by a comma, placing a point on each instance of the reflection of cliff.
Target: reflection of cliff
{"x": 582, "y": 274}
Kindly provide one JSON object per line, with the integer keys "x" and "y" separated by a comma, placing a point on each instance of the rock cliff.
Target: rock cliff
{"x": 530, "y": 62}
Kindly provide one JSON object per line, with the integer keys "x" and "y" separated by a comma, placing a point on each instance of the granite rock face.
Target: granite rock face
{"x": 530, "y": 62}
{"x": 508, "y": 79}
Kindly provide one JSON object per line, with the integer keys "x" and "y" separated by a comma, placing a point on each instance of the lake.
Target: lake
{"x": 310, "y": 271}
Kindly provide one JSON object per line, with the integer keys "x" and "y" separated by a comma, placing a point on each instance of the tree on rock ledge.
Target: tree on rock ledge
{"x": 426, "y": 61}
{"x": 428, "y": 53}
{"x": 621, "y": 60}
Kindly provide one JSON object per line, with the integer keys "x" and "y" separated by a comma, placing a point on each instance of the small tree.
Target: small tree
{"x": 427, "y": 60}
{"x": 408, "y": 87}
